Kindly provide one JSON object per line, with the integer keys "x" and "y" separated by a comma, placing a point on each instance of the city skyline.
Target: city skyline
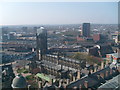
{"x": 27, "y": 13}
{"x": 59, "y": 45}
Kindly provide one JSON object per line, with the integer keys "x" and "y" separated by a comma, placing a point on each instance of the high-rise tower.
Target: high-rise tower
{"x": 86, "y": 29}
{"x": 41, "y": 38}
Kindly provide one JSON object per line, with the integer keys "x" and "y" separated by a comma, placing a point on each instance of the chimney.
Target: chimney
{"x": 102, "y": 75}
{"x": 80, "y": 87}
{"x": 40, "y": 84}
{"x": 95, "y": 69}
{"x": 107, "y": 74}
{"x": 98, "y": 76}
{"x": 33, "y": 49}
{"x": 68, "y": 81}
{"x": 111, "y": 71}
{"x": 102, "y": 64}
{"x": 70, "y": 77}
{"x": 78, "y": 74}
{"x": 60, "y": 82}
{"x": 64, "y": 85}
{"x": 86, "y": 84}
{"x": 73, "y": 78}
{"x": 91, "y": 71}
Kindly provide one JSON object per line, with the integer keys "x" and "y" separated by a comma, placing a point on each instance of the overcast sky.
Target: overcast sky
{"x": 22, "y": 13}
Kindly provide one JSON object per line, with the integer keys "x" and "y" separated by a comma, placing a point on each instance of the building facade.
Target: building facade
{"x": 41, "y": 38}
{"x": 97, "y": 37}
{"x": 86, "y": 29}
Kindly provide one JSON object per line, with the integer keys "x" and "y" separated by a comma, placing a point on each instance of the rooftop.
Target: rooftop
{"x": 117, "y": 55}
{"x": 45, "y": 77}
{"x": 93, "y": 80}
{"x": 113, "y": 83}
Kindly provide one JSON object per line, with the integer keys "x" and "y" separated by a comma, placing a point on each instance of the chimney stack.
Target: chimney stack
{"x": 98, "y": 76}
{"x": 95, "y": 69}
{"x": 36, "y": 78}
{"x": 102, "y": 64}
{"x": 60, "y": 82}
{"x": 111, "y": 71}
{"x": 70, "y": 77}
{"x": 80, "y": 87}
{"x": 68, "y": 81}
{"x": 102, "y": 75}
{"x": 73, "y": 78}
{"x": 91, "y": 71}
{"x": 40, "y": 84}
{"x": 86, "y": 84}
{"x": 107, "y": 74}
{"x": 33, "y": 49}
{"x": 78, "y": 74}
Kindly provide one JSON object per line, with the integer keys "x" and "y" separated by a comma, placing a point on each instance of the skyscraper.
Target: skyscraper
{"x": 41, "y": 38}
{"x": 86, "y": 29}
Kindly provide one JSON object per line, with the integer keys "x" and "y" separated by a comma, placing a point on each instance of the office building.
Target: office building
{"x": 86, "y": 29}
{"x": 41, "y": 38}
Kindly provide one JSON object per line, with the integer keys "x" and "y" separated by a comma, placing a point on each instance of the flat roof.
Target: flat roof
{"x": 45, "y": 77}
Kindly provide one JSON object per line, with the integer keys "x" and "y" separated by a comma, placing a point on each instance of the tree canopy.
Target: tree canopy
{"x": 86, "y": 57}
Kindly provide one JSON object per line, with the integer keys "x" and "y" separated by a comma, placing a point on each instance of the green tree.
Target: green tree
{"x": 86, "y": 57}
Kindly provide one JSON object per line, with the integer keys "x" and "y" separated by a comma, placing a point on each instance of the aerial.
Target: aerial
{"x": 59, "y": 45}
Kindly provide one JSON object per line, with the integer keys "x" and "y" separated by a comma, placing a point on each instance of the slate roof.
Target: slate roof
{"x": 54, "y": 66}
{"x": 93, "y": 81}
{"x": 64, "y": 58}
{"x": 113, "y": 83}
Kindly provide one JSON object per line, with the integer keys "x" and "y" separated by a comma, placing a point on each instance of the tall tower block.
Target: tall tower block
{"x": 41, "y": 41}
{"x": 86, "y": 29}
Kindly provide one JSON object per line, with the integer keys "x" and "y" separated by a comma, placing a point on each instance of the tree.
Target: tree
{"x": 86, "y": 58}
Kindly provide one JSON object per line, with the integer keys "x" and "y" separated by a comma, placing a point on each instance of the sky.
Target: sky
{"x": 32, "y": 13}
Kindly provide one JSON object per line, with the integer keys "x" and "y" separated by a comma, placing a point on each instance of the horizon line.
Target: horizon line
{"x": 51, "y": 24}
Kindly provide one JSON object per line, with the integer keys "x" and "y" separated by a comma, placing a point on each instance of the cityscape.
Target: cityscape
{"x": 62, "y": 56}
